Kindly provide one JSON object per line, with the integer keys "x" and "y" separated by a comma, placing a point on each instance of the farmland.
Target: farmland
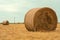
{"x": 19, "y": 32}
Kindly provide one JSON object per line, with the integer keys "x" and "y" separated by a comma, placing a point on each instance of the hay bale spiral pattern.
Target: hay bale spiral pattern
{"x": 41, "y": 19}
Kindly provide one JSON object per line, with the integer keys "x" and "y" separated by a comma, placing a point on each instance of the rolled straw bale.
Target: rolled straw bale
{"x": 41, "y": 19}
{"x": 6, "y": 22}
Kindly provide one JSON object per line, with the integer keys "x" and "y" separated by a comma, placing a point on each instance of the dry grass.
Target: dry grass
{"x": 19, "y": 32}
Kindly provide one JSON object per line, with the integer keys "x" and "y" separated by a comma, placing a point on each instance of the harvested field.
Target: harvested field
{"x": 19, "y": 32}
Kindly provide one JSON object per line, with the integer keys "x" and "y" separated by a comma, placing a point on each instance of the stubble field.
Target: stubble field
{"x": 19, "y": 32}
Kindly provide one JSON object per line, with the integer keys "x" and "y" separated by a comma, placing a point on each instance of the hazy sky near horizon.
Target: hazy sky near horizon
{"x": 18, "y": 8}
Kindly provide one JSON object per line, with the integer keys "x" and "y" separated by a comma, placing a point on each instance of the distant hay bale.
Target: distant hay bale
{"x": 41, "y": 19}
{"x": 5, "y": 22}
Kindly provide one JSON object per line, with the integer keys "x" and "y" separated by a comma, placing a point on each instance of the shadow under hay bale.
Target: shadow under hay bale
{"x": 5, "y": 22}
{"x": 41, "y": 19}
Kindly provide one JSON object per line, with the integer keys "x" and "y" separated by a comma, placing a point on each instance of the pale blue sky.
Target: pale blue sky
{"x": 18, "y": 8}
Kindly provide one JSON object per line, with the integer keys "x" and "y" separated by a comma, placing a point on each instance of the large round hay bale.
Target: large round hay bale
{"x": 41, "y": 19}
{"x": 6, "y": 22}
